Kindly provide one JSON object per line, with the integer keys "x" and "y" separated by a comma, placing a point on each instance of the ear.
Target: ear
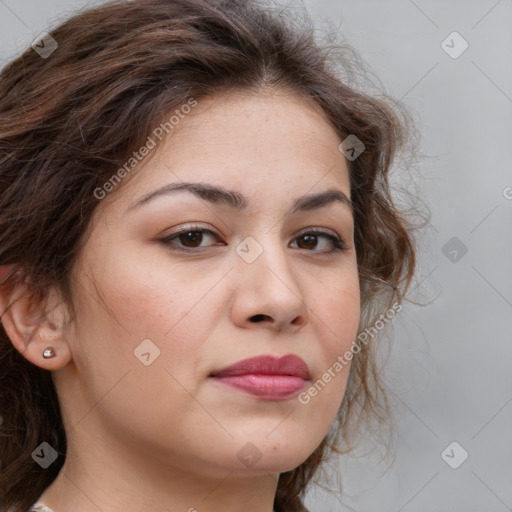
{"x": 32, "y": 325}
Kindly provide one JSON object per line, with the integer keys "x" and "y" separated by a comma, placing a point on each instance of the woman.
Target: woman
{"x": 196, "y": 237}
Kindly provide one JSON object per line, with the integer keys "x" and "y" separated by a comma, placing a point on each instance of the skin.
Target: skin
{"x": 164, "y": 436}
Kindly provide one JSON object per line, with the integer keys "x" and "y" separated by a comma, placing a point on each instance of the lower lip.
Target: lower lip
{"x": 265, "y": 386}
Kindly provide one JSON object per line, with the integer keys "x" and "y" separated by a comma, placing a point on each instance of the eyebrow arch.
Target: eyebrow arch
{"x": 233, "y": 199}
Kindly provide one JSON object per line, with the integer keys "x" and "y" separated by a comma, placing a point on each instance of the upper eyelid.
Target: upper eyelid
{"x": 211, "y": 229}
{"x": 326, "y": 232}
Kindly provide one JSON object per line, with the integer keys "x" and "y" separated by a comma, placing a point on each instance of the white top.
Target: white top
{"x": 40, "y": 508}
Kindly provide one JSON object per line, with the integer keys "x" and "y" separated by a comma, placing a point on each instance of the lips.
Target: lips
{"x": 266, "y": 376}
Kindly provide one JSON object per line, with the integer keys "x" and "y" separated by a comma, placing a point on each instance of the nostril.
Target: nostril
{"x": 258, "y": 318}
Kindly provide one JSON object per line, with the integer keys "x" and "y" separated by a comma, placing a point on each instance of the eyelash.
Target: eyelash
{"x": 339, "y": 244}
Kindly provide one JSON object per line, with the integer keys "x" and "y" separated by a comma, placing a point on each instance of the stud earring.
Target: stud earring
{"x": 49, "y": 353}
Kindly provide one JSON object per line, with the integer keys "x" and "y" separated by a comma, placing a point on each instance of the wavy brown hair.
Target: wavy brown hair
{"x": 68, "y": 121}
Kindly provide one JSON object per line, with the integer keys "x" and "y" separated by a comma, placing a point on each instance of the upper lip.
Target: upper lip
{"x": 267, "y": 365}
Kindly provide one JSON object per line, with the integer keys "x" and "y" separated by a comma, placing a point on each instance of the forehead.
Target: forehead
{"x": 269, "y": 146}
{"x": 279, "y": 124}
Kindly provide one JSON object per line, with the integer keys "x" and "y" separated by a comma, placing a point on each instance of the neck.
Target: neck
{"x": 112, "y": 479}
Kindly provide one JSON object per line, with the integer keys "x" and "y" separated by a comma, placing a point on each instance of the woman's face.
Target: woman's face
{"x": 158, "y": 315}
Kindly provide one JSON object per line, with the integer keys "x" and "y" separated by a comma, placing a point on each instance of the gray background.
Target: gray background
{"x": 449, "y": 364}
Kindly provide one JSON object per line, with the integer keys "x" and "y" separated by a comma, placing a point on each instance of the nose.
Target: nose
{"x": 267, "y": 291}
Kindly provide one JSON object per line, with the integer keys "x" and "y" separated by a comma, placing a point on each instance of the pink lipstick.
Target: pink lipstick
{"x": 266, "y": 376}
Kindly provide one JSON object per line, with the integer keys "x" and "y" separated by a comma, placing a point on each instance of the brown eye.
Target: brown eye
{"x": 311, "y": 242}
{"x": 189, "y": 237}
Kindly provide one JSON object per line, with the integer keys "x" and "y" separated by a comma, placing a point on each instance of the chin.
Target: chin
{"x": 271, "y": 456}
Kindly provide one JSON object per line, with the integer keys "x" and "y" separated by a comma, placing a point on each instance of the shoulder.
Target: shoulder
{"x": 40, "y": 508}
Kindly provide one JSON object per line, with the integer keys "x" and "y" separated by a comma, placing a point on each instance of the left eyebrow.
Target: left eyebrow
{"x": 219, "y": 195}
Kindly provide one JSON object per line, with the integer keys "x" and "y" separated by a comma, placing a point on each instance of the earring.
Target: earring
{"x": 49, "y": 353}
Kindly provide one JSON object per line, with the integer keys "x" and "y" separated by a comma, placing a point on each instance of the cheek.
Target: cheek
{"x": 132, "y": 302}
{"x": 338, "y": 308}
{"x": 338, "y": 319}
{"x": 112, "y": 346}
{"x": 141, "y": 296}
